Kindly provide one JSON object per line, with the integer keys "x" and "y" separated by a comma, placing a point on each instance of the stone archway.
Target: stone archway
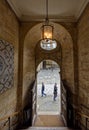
{"x": 33, "y": 55}
{"x": 64, "y": 38}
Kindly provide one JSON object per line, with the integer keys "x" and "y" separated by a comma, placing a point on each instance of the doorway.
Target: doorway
{"x": 48, "y": 72}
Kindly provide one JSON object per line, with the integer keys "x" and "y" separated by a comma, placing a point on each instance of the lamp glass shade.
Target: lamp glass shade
{"x": 47, "y": 32}
{"x": 48, "y": 44}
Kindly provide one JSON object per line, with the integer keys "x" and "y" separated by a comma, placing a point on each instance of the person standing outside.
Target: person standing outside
{"x": 55, "y": 92}
{"x": 42, "y": 90}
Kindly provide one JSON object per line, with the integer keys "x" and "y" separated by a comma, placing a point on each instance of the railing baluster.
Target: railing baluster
{"x": 86, "y": 123}
{"x": 9, "y": 122}
{"x": 86, "y": 117}
{"x": 9, "y": 118}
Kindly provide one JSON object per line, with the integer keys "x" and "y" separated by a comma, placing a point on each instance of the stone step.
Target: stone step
{"x": 48, "y": 128}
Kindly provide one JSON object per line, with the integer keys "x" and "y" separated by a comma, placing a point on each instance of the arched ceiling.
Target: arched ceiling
{"x": 64, "y": 56}
{"x": 58, "y": 10}
{"x": 34, "y": 35}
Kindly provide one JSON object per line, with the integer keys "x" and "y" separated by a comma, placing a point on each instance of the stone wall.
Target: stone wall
{"x": 83, "y": 62}
{"x": 83, "y": 57}
{"x": 9, "y": 31}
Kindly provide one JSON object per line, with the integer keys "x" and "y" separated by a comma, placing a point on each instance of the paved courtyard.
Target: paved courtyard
{"x": 46, "y": 104}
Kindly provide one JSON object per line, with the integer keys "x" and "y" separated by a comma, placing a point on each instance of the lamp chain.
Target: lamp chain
{"x": 47, "y": 11}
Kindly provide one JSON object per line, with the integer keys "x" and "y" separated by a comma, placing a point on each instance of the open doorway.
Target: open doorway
{"x": 48, "y": 72}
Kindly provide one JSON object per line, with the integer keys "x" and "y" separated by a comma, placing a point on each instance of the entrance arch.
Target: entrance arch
{"x": 33, "y": 55}
{"x": 46, "y": 105}
{"x": 49, "y": 76}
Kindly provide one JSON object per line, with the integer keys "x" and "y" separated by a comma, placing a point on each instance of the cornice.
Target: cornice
{"x": 81, "y": 9}
{"x": 52, "y": 19}
{"x": 14, "y": 8}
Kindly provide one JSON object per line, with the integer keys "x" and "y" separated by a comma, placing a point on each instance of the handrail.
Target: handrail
{"x": 82, "y": 114}
{"x": 86, "y": 118}
{"x": 82, "y": 105}
{"x": 11, "y": 115}
{"x": 8, "y": 117}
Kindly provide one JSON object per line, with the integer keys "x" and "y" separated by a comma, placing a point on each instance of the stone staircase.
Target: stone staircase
{"x": 48, "y": 128}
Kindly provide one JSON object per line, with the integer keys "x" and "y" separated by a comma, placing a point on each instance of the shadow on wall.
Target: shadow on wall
{"x": 27, "y": 110}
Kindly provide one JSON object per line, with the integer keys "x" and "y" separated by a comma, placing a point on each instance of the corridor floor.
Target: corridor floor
{"x": 49, "y": 120}
{"x": 46, "y": 105}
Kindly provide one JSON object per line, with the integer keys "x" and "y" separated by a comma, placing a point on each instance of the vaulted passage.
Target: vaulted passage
{"x": 25, "y": 57}
{"x": 48, "y": 109}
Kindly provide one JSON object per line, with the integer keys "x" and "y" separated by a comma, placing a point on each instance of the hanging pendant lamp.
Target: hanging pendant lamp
{"x": 47, "y": 29}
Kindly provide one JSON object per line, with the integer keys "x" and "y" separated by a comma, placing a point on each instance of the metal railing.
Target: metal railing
{"x": 81, "y": 115}
{"x": 8, "y": 118}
